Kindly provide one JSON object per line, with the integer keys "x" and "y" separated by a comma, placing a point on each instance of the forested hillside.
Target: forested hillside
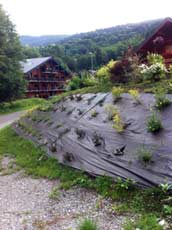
{"x": 41, "y": 40}
{"x": 93, "y": 49}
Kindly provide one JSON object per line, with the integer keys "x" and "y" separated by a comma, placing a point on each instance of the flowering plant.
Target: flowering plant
{"x": 154, "y": 72}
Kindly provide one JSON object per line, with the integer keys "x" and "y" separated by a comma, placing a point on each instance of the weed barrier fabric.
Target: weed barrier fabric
{"x": 79, "y": 134}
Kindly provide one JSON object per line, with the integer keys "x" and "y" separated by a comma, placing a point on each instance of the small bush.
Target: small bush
{"x": 117, "y": 92}
{"x": 145, "y": 222}
{"x": 87, "y": 224}
{"x": 161, "y": 100}
{"x": 94, "y": 113}
{"x": 167, "y": 209}
{"x": 153, "y": 58}
{"x": 103, "y": 77}
{"x": 153, "y": 73}
{"x": 165, "y": 188}
{"x": 118, "y": 123}
{"x": 154, "y": 123}
{"x": 135, "y": 94}
{"x": 145, "y": 155}
{"x": 117, "y": 72}
{"x": 84, "y": 80}
{"x": 111, "y": 110}
{"x": 127, "y": 184}
{"x": 97, "y": 139}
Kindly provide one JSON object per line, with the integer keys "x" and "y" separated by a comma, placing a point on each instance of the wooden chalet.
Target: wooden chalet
{"x": 159, "y": 42}
{"x": 45, "y": 77}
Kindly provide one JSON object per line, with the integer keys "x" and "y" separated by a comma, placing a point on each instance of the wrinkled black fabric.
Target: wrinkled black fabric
{"x": 60, "y": 138}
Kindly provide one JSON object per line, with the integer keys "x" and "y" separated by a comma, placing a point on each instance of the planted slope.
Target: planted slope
{"x": 79, "y": 133}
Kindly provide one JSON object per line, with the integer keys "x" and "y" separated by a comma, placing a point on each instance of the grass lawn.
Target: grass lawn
{"x": 147, "y": 203}
{"x": 19, "y": 105}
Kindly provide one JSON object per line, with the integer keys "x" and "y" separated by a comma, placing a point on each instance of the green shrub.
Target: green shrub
{"x": 117, "y": 92}
{"x": 84, "y": 80}
{"x": 145, "y": 222}
{"x": 154, "y": 123}
{"x": 135, "y": 94}
{"x": 155, "y": 70}
{"x": 154, "y": 58}
{"x": 145, "y": 155}
{"x": 165, "y": 188}
{"x": 94, "y": 113}
{"x": 75, "y": 83}
{"x": 118, "y": 123}
{"x": 127, "y": 184}
{"x": 167, "y": 209}
{"x": 87, "y": 224}
{"x": 161, "y": 100}
{"x": 103, "y": 77}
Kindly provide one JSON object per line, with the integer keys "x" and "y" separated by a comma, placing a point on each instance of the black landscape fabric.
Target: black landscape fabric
{"x": 78, "y": 133}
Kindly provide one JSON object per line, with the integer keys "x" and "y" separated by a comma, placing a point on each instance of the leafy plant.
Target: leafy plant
{"x": 111, "y": 110}
{"x": 167, "y": 209}
{"x": 161, "y": 100}
{"x": 145, "y": 222}
{"x": 127, "y": 184}
{"x": 97, "y": 139}
{"x": 117, "y": 92}
{"x": 118, "y": 123}
{"x": 155, "y": 72}
{"x": 88, "y": 224}
{"x": 83, "y": 80}
{"x": 135, "y": 94}
{"x": 103, "y": 77}
{"x": 154, "y": 58}
{"x": 145, "y": 155}
{"x": 166, "y": 187}
{"x": 94, "y": 113}
{"x": 154, "y": 123}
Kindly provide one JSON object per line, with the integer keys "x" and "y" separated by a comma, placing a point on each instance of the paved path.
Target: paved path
{"x": 10, "y": 118}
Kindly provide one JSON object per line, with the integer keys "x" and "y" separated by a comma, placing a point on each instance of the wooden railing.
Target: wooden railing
{"x": 34, "y": 79}
{"x": 44, "y": 90}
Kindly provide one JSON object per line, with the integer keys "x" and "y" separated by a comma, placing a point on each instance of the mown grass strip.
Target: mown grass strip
{"x": 19, "y": 105}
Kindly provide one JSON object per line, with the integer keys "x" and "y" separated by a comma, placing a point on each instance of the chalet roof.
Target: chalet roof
{"x": 32, "y": 63}
{"x": 162, "y": 24}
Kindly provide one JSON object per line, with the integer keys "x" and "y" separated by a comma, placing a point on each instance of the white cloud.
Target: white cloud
{"x": 36, "y": 17}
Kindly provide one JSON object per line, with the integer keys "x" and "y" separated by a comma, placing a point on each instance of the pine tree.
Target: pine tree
{"x": 12, "y": 83}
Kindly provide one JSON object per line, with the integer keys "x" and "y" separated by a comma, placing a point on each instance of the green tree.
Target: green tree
{"x": 30, "y": 52}
{"x": 12, "y": 83}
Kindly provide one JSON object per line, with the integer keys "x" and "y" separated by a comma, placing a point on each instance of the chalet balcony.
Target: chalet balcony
{"x": 57, "y": 89}
{"x": 50, "y": 79}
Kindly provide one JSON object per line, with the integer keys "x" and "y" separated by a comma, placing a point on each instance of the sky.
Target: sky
{"x": 47, "y": 17}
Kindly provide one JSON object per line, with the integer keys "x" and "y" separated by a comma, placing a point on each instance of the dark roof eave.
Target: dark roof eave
{"x": 156, "y": 30}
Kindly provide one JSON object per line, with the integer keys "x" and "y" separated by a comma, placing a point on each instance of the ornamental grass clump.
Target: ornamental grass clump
{"x": 135, "y": 95}
{"x": 154, "y": 123}
{"x": 88, "y": 224}
{"x": 145, "y": 155}
{"x": 117, "y": 92}
{"x": 118, "y": 123}
{"x": 161, "y": 100}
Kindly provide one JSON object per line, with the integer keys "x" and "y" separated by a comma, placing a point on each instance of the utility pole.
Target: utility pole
{"x": 91, "y": 55}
